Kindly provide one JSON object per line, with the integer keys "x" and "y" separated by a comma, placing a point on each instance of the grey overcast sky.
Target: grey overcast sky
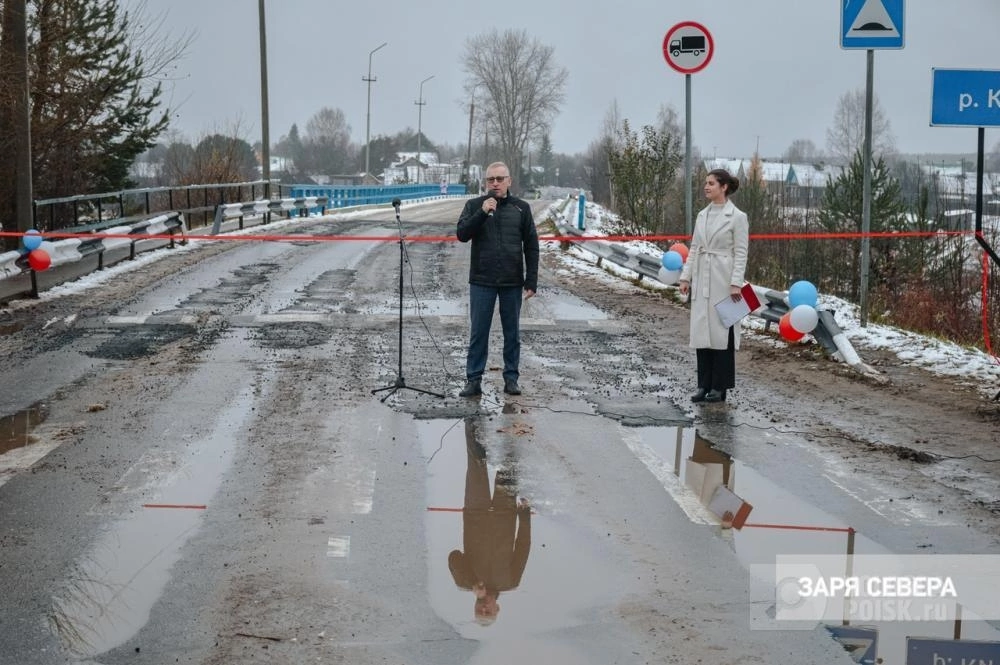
{"x": 776, "y": 75}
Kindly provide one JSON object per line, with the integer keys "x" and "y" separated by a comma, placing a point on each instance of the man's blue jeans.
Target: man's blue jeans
{"x": 482, "y": 302}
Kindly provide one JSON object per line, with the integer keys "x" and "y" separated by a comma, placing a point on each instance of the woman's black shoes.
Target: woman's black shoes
{"x": 715, "y": 396}
{"x": 709, "y": 396}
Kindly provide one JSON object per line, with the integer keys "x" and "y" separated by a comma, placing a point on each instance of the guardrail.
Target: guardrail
{"x": 303, "y": 205}
{"x": 55, "y": 214}
{"x": 66, "y": 248}
{"x": 342, "y": 197}
{"x": 775, "y": 303}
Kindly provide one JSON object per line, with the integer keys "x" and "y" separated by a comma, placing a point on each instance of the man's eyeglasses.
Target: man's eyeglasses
{"x": 496, "y": 178}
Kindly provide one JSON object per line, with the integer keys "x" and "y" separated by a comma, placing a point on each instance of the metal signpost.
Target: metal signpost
{"x": 968, "y": 98}
{"x": 688, "y": 48}
{"x": 869, "y": 25}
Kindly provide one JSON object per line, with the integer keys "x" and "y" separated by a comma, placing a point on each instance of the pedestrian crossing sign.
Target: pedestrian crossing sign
{"x": 871, "y": 24}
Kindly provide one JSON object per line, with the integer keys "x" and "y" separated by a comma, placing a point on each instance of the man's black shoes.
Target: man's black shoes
{"x": 472, "y": 388}
{"x": 699, "y": 396}
{"x": 511, "y": 388}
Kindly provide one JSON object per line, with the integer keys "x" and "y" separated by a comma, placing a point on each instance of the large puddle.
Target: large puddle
{"x": 109, "y": 595}
{"x": 500, "y": 571}
{"x": 491, "y": 581}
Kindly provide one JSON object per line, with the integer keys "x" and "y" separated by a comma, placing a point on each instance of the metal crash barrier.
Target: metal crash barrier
{"x": 67, "y": 247}
{"x": 303, "y": 205}
{"x": 774, "y": 303}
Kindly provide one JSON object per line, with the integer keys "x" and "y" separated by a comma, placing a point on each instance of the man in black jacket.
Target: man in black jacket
{"x": 504, "y": 262}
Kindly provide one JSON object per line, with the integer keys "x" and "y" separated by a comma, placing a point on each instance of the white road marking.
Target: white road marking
{"x": 687, "y": 500}
{"x": 338, "y": 547}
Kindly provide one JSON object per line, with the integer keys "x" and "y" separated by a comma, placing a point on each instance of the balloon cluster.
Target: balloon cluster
{"x": 38, "y": 258}
{"x": 802, "y": 318}
{"x": 673, "y": 260}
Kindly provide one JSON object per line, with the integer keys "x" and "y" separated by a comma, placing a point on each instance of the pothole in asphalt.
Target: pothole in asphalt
{"x": 140, "y": 341}
{"x": 293, "y": 335}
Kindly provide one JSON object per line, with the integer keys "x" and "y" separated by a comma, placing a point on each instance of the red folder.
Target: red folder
{"x": 753, "y": 302}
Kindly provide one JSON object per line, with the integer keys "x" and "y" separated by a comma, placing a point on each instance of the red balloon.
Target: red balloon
{"x": 39, "y": 260}
{"x": 787, "y": 331}
{"x": 681, "y": 249}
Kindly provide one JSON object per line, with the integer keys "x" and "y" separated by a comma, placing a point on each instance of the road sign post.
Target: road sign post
{"x": 688, "y": 48}
{"x": 869, "y": 25}
{"x": 969, "y": 98}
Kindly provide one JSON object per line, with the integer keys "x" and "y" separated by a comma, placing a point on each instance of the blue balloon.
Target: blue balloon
{"x": 32, "y": 239}
{"x": 802, "y": 293}
{"x": 672, "y": 260}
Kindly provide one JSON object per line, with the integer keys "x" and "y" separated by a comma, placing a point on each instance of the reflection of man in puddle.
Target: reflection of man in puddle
{"x": 496, "y": 533}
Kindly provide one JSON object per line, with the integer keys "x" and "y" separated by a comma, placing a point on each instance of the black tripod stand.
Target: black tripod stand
{"x": 400, "y": 382}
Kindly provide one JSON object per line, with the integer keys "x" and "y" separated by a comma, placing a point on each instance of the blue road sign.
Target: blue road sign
{"x": 922, "y": 651}
{"x": 871, "y": 24}
{"x": 965, "y": 98}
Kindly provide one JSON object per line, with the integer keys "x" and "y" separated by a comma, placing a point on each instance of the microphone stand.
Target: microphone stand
{"x": 400, "y": 382}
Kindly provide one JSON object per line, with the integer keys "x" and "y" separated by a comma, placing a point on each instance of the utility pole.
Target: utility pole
{"x": 265, "y": 148}
{"x": 420, "y": 113}
{"x": 368, "y": 118}
{"x": 468, "y": 150}
{"x": 21, "y": 117}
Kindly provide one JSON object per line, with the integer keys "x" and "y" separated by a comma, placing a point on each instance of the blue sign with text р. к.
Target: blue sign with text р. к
{"x": 965, "y": 98}
{"x": 871, "y": 24}
{"x": 921, "y": 651}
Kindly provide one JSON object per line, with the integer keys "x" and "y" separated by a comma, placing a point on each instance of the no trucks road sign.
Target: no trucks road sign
{"x": 688, "y": 47}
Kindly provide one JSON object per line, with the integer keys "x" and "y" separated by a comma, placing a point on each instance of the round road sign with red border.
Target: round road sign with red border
{"x": 688, "y": 47}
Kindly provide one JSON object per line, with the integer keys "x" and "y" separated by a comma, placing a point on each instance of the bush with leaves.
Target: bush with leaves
{"x": 643, "y": 168}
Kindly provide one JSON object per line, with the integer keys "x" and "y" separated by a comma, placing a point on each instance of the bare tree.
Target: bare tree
{"x": 523, "y": 86}
{"x": 993, "y": 159}
{"x": 847, "y": 134}
{"x": 220, "y": 156}
{"x": 803, "y": 151}
{"x": 327, "y": 142}
{"x": 598, "y": 160}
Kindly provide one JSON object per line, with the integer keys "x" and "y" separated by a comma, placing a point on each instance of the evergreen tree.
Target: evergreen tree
{"x": 94, "y": 107}
{"x": 842, "y": 213}
{"x": 546, "y": 159}
{"x": 290, "y": 147}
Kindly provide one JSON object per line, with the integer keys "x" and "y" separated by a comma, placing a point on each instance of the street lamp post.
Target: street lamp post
{"x": 368, "y": 117}
{"x": 420, "y": 113}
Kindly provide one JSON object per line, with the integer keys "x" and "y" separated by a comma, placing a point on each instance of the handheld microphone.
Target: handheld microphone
{"x": 493, "y": 195}
{"x": 396, "y": 203}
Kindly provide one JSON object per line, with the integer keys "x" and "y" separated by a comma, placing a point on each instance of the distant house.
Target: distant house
{"x": 427, "y": 169}
{"x": 807, "y": 183}
{"x": 735, "y": 167}
{"x": 794, "y": 184}
{"x": 407, "y": 168}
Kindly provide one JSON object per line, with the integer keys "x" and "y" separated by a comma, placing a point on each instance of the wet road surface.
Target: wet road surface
{"x": 203, "y": 471}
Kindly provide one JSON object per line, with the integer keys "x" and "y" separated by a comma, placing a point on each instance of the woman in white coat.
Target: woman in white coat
{"x": 713, "y": 271}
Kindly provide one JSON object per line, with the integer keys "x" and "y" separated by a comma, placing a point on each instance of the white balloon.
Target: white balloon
{"x": 804, "y": 318}
{"x": 669, "y": 276}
